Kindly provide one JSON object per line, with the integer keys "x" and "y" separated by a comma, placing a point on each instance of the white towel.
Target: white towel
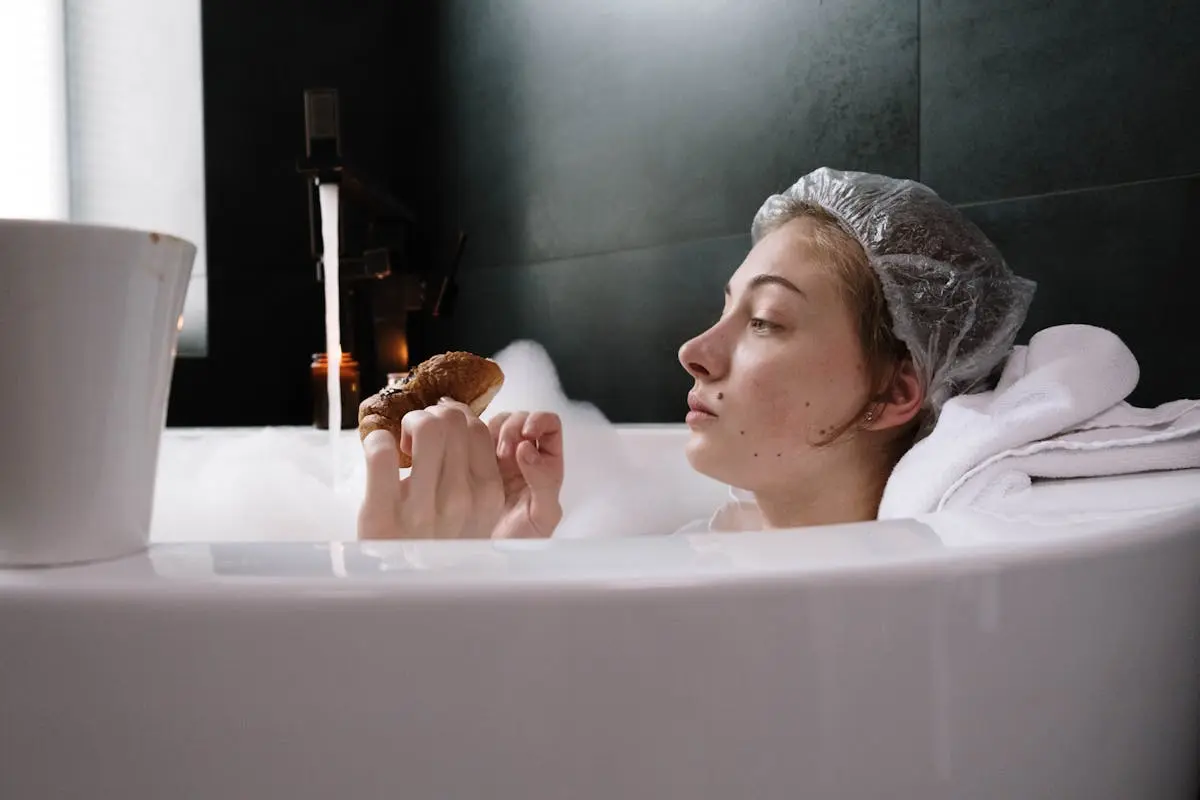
{"x": 1056, "y": 412}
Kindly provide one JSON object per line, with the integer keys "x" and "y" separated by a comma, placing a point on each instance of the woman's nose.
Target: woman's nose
{"x": 698, "y": 358}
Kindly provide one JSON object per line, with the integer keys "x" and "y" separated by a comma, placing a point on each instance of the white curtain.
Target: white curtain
{"x": 110, "y": 126}
{"x": 33, "y": 133}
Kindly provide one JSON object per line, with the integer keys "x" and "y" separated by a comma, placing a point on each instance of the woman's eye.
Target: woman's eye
{"x": 762, "y": 325}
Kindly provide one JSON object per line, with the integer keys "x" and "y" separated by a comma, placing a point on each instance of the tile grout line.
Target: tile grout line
{"x": 1079, "y": 190}
{"x": 615, "y": 251}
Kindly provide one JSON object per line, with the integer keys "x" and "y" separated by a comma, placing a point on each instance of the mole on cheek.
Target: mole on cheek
{"x": 720, "y": 395}
{"x": 807, "y": 404}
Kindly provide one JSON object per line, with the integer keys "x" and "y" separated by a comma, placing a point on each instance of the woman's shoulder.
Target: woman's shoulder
{"x": 695, "y": 526}
{"x": 738, "y": 514}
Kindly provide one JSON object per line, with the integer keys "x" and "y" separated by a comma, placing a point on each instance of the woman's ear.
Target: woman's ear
{"x": 901, "y": 401}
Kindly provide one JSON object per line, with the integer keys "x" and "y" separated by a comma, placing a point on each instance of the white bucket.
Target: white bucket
{"x": 90, "y": 324}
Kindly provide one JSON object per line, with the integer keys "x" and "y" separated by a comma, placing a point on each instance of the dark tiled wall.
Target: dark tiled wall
{"x": 582, "y": 128}
{"x": 1123, "y": 258}
{"x": 1027, "y": 97}
{"x": 608, "y": 159}
{"x": 612, "y": 322}
{"x": 265, "y": 305}
{"x": 1070, "y": 131}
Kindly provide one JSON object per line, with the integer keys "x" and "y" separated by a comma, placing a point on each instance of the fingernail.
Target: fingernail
{"x": 531, "y": 456}
{"x": 445, "y": 401}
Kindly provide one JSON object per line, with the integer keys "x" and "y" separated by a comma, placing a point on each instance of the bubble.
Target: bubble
{"x": 256, "y": 484}
{"x": 275, "y": 484}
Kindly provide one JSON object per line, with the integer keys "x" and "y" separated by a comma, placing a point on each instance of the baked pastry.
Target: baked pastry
{"x": 465, "y": 377}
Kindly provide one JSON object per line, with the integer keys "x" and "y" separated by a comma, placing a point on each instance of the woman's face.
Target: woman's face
{"x": 779, "y": 372}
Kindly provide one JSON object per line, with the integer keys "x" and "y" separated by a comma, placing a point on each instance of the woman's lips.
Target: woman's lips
{"x": 696, "y": 404}
{"x": 698, "y": 413}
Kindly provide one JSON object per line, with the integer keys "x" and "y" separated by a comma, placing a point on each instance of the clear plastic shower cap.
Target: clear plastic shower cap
{"x": 952, "y": 298}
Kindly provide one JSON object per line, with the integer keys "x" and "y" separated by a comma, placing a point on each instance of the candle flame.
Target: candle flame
{"x": 402, "y": 351}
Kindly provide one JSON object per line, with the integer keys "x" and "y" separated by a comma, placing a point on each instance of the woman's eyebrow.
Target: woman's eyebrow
{"x": 764, "y": 279}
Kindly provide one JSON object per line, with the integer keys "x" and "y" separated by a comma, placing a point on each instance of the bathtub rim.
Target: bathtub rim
{"x": 135, "y": 578}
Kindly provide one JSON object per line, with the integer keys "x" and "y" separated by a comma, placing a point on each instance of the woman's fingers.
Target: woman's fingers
{"x": 540, "y": 457}
{"x": 510, "y": 437}
{"x": 481, "y": 448}
{"x": 470, "y": 494}
{"x": 427, "y": 437}
{"x": 495, "y": 424}
{"x": 383, "y": 466}
{"x": 545, "y": 429}
{"x": 540, "y": 452}
{"x": 483, "y": 453}
{"x": 461, "y": 471}
{"x": 454, "y": 501}
{"x": 487, "y": 488}
{"x": 377, "y": 515}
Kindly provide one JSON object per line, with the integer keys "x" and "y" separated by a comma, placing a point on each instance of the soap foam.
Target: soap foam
{"x": 264, "y": 484}
{"x": 274, "y": 484}
{"x": 606, "y": 491}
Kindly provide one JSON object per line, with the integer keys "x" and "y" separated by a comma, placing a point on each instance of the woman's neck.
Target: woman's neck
{"x": 850, "y": 493}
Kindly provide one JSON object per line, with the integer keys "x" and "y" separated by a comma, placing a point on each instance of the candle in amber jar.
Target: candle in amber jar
{"x": 347, "y": 380}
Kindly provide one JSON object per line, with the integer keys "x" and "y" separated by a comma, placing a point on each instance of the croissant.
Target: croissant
{"x": 465, "y": 377}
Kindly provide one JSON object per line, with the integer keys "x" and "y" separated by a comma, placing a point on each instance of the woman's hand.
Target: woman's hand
{"x": 529, "y": 449}
{"x": 463, "y": 484}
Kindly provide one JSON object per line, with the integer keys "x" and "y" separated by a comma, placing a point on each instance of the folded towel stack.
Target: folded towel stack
{"x": 1058, "y": 411}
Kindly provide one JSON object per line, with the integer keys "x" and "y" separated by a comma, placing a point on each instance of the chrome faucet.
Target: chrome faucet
{"x": 379, "y": 276}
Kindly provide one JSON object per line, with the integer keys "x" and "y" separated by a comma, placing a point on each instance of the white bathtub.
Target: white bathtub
{"x": 959, "y": 656}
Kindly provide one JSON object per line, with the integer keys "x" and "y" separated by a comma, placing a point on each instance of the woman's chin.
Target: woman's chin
{"x": 703, "y": 457}
{"x": 706, "y": 457}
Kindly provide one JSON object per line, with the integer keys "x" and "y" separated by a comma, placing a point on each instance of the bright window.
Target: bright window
{"x": 103, "y": 122}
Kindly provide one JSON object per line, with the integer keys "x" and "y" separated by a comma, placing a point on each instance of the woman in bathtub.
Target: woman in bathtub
{"x": 864, "y": 304}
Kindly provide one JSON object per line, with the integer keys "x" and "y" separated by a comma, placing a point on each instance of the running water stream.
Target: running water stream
{"x": 328, "y": 194}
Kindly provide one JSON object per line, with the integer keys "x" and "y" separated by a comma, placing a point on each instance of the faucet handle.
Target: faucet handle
{"x": 322, "y": 130}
